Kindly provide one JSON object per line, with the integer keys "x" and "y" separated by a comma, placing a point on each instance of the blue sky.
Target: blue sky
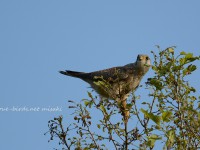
{"x": 39, "y": 38}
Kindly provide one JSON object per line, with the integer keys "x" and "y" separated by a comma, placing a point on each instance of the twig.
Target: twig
{"x": 106, "y": 124}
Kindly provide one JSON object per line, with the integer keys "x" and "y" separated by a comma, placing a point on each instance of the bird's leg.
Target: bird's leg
{"x": 122, "y": 100}
{"x": 123, "y": 108}
{"x": 125, "y": 111}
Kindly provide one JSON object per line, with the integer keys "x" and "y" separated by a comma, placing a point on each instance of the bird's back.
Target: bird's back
{"x": 113, "y": 82}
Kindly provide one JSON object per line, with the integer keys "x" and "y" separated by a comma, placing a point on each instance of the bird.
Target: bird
{"x": 121, "y": 80}
{"x": 117, "y": 82}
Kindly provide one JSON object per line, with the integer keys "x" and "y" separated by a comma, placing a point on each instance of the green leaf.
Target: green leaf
{"x": 170, "y": 135}
{"x": 151, "y": 116}
{"x": 156, "y": 83}
{"x": 189, "y": 55}
{"x": 175, "y": 68}
{"x": 182, "y": 61}
{"x": 155, "y": 137}
{"x": 166, "y": 116}
{"x": 103, "y": 109}
{"x": 154, "y": 68}
{"x": 189, "y": 69}
{"x": 193, "y": 98}
{"x": 182, "y": 53}
{"x": 90, "y": 95}
{"x": 155, "y": 118}
{"x": 129, "y": 106}
{"x": 144, "y": 103}
{"x": 158, "y": 127}
{"x": 100, "y": 138}
{"x": 152, "y": 139}
{"x": 144, "y": 112}
{"x": 199, "y": 117}
{"x": 192, "y": 68}
{"x": 171, "y": 50}
{"x": 98, "y": 126}
{"x": 86, "y": 103}
{"x": 92, "y": 146}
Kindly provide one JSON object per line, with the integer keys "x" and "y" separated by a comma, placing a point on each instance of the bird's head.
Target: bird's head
{"x": 143, "y": 62}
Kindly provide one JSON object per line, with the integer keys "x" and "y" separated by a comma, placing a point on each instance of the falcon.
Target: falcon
{"x": 116, "y": 82}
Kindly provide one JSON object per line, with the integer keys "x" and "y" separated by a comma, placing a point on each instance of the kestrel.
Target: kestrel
{"x": 116, "y": 83}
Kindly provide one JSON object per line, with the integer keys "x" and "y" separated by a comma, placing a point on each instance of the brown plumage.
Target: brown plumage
{"x": 117, "y": 82}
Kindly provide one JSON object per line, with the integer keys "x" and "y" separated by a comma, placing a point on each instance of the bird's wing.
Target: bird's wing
{"x": 110, "y": 75}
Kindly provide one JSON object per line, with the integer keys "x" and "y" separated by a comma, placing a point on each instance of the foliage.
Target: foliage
{"x": 171, "y": 115}
{"x": 178, "y": 109}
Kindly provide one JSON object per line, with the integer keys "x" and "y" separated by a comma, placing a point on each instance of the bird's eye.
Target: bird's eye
{"x": 147, "y": 58}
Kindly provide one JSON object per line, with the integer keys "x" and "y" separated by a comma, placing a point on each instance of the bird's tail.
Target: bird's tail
{"x": 72, "y": 73}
